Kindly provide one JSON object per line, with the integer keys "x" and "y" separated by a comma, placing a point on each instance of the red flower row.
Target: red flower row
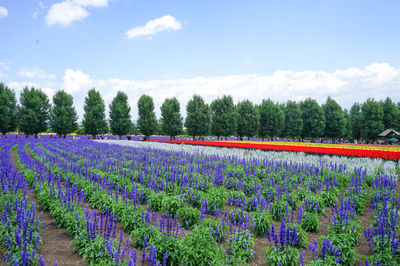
{"x": 390, "y": 155}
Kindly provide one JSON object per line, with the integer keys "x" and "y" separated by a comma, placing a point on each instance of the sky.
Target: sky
{"x": 282, "y": 50}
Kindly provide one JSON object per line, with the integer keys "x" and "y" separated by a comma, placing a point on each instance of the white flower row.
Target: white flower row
{"x": 373, "y": 166}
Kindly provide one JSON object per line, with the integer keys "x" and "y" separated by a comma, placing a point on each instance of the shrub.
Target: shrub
{"x": 155, "y": 200}
{"x": 189, "y": 216}
{"x": 261, "y": 222}
{"x": 172, "y": 205}
{"x": 242, "y": 243}
{"x": 311, "y": 222}
{"x": 277, "y": 256}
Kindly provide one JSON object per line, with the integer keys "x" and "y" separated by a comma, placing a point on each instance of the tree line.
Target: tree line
{"x": 222, "y": 118}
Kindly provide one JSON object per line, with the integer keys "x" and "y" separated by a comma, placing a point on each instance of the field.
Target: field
{"x": 369, "y": 151}
{"x": 156, "y": 203}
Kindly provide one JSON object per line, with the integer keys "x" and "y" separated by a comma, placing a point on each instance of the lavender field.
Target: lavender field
{"x": 164, "y": 204}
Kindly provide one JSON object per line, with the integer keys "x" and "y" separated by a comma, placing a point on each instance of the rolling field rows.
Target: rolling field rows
{"x": 138, "y": 205}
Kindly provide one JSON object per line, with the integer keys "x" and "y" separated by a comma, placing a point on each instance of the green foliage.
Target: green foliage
{"x": 313, "y": 119}
{"x": 391, "y": 113}
{"x": 147, "y": 122}
{"x": 139, "y": 234}
{"x": 198, "y": 249}
{"x": 189, "y": 216}
{"x": 155, "y": 200}
{"x": 277, "y": 256}
{"x": 293, "y": 125}
{"x": 262, "y": 222}
{"x": 8, "y": 109}
{"x": 355, "y": 117}
{"x": 271, "y": 119}
{"x": 328, "y": 198}
{"x": 311, "y": 222}
{"x": 301, "y": 233}
{"x": 351, "y": 231}
{"x": 170, "y": 244}
{"x": 63, "y": 116}
{"x": 247, "y": 120}
{"x": 347, "y": 256}
{"x": 334, "y": 119}
{"x": 242, "y": 244}
{"x": 278, "y": 210}
{"x": 172, "y": 204}
{"x": 171, "y": 119}
{"x": 217, "y": 230}
{"x": 223, "y": 117}
{"x": 94, "y": 120}
{"x": 34, "y": 111}
{"x": 198, "y": 117}
{"x": 120, "y": 118}
{"x": 371, "y": 119}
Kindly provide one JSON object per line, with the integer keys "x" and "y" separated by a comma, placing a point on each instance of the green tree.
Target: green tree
{"x": 223, "y": 117}
{"x": 197, "y": 120}
{"x": 171, "y": 119}
{"x": 147, "y": 122}
{"x": 63, "y": 116}
{"x": 94, "y": 120}
{"x": 371, "y": 119}
{"x": 271, "y": 119}
{"x": 334, "y": 119}
{"x": 293, "y": 122}
{"x": 8, "y": 110}
{"x": 34, "y": 111}
{"x": 391, "y": 113}
{"x": 313, "y": 119}
{"x": 347, "y": 127}
{"x": 120, "y": 118}
{"x": 247, "y": 120}
{"x": 355, "y": 117}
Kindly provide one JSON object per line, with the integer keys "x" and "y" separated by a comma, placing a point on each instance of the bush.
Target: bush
{"x": 139, "y": 235}
{"x": 301, "y": 233}
{"x": 189, "y": 216}
{"x": 278, "y": 210}
{"x": 311, "y": 222}
{"x": 242, "y": 243}
{"x": 197, "y": 249}
{"x": 155, "y": 201}
{"x": 261, "y": 221}
{"x": 277, "y": 256}
{"x": 172, "y": 205}
{"x": 217, "y": 229}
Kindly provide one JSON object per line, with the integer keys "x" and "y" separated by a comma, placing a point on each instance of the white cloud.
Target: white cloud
{"x": 35, "y": 14}
{"x": 47, "y": 88}
{"x": 65, "y": 12}
{"x": 3, "y": 12}
{"x": 346, "y": 86}
{"x": 75, "y": 81}
{"x": 35, "y": 73}
{"x": 152, "y": 27}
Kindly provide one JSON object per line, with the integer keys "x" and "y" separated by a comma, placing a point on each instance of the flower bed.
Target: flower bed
{"x": 384, "y": 152}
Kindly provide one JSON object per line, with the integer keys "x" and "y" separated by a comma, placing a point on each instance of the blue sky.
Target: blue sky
{"x": 250, "y": 49}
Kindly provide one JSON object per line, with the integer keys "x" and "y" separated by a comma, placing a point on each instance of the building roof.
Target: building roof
{"x": 388, "y": 131}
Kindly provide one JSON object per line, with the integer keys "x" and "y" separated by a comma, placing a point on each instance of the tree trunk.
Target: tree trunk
{"x": 4, "y": 136}
{"x": 170, "y": 137}
{"x": 248, "y": 138}
{"x": 36, "y": 135}
{"x": 194, "y": 137}
{"x": 120, "y": 137}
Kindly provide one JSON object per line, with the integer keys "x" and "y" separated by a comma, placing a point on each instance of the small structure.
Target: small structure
{"x": 389, "y": 135}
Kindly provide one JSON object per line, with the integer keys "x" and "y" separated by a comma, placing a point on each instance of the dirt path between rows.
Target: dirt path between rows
{"x": 56, "y": 246}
